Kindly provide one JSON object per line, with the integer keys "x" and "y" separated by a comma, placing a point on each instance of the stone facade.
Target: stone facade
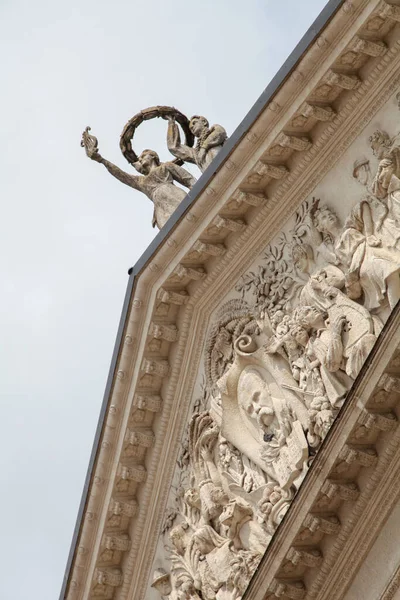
{"x": 250, "y": 443}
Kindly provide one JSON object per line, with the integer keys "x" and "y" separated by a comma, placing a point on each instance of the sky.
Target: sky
{"x": 70, "y": 232}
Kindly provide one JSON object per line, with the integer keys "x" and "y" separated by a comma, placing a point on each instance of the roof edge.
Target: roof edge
{"x": 322, "y": 20}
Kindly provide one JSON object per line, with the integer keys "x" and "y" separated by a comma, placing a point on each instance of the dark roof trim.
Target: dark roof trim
{"x": 277, "y": 81}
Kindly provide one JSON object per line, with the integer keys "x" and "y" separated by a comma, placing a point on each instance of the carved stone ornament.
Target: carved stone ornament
{"x": 251, "y": 431}
{"x": 280, "y": 357}
{"x": 156, "y": 179}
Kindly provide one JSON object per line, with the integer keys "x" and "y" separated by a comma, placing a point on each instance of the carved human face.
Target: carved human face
{"x": 177, "y": 536}
{"x": 277, "y": 317}
{"x": 311, "y": 317}
{"x": 326, "y": 221}
{"x": 204, "y": 546}
{"x": 323, "y": 422}
{"x": 256, "y": 400}
{"x": 300, "y": 335}
{"x": 301, "y": 263}
{"x": 147, "y": 160}
{"x": 282, "y": 328}
{"x": 361, "y": 173}
{"x": 227, "y": 515}
{"x": 378, "y": 149}
{"x": 192, "y": 497}
{"x": 163, "y": 586}
{"x": 197, "y": 125}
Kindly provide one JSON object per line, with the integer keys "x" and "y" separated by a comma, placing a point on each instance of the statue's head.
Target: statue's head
{"x": 218, "y": 496}
{"x": 162, "y": 582}
{"x": 302, "y": 255}
{"x": 207, "y": 539}
{"x": 276, "y": 318}
{"x": 255, "y": 398}
{"x": 192, "y": 498}
{"x": 147, "y": 159}
{"x": 325, "y": 220}
{"x": 323, "y": 422}
{"x": 178, "y": 538}
{"x": 198, "y": 124}
{"x": 299, "y": 334}
{"x": 380, "y": 143}
{"x": 308, "y": 317}
{"x": 361, "y": 170}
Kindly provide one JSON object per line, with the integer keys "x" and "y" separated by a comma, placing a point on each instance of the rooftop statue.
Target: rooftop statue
{"x": 157, "y": 179}
{"x": 209, "y": 141}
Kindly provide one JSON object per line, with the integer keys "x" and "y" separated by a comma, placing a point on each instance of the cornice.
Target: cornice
{"x": 203, "y": 254}
{"x": 392, "y": 587}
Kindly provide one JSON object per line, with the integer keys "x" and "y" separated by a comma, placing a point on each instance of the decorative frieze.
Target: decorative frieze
{"x": 321, "y": 113}
{"x": 294, "y": 590}
{"x": 250, "y": 199}
{"x": 135, "y": 473}
{"x": 119, "y": 542}
{"x": 347, "y": 82}
{"x": 165, "y": 332}
{"x": 390, "y": 383}
{"x": 308, "y": 557}
{"x": 182, "y": 272}
{"x": 368, "y": 47}
{"x": 300, "y": 144}
{"x": 365, "y": 457}
{"x": 104, "y": 582}
{"x": 328, "y": 524}
{"x": 268, "y": 170}
{"x": 220, "y": 223}
{"x": 140, "y": 437}
{"x": 160, "y": 368}
{"x": 381, "y": 422}
{"x": 170, "y": 297}
{"x": 209, "y": 249}
{"x": 338, "y": 489}
{"x": 390, "y": 11}
{"x": 123, "y": 508}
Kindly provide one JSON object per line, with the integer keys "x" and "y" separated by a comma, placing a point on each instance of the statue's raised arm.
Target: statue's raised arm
{"x": 156, "y": 180}
{"x": 209, "y": 141}
{"x": 90, "y": 143}
{"x": 175, "y": 146}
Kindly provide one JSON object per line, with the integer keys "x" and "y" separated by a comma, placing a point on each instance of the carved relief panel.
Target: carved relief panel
{"x": 283, "y": 350}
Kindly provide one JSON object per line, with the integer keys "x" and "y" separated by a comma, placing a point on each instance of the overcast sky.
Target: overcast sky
{"x": 69, "y": 231}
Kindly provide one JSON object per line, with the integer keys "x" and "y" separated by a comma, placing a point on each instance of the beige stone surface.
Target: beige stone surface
{"x": 380, "y": 564}
{"x": 246, "y": 333}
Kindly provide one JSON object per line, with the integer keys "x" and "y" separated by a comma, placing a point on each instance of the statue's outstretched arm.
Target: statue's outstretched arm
{"x": 216, "y": 137}
{"x": 181, "y": 175}
{"x": 175, "y": 145}
{"x": 132, "y": 180}
{"x": 90, "y": 143}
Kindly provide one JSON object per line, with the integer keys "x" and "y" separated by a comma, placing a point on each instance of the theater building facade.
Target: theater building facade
{"x": 248, "y": 443}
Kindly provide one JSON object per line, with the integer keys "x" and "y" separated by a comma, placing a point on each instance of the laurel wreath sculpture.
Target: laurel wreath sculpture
{"x": 146, "y": 115}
